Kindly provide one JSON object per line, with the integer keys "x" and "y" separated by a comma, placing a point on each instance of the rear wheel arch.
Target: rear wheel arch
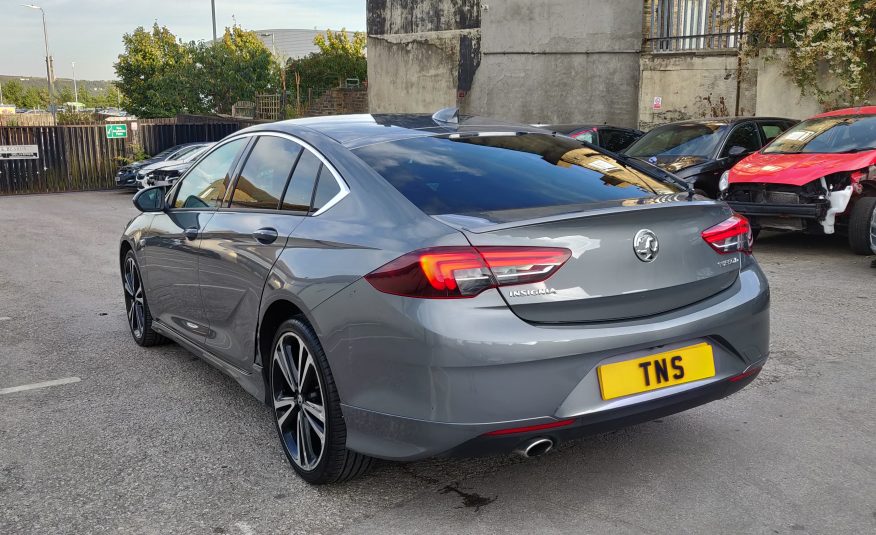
{"x": 274, "y": 315}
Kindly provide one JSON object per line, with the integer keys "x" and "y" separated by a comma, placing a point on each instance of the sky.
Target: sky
{"x": 89, "y": 32}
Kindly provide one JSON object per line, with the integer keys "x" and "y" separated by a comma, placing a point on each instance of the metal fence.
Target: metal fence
{"x": 692, "y": 25}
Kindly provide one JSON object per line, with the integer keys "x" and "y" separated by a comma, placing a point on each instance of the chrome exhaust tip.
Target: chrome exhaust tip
{"x": 535, "y": 447}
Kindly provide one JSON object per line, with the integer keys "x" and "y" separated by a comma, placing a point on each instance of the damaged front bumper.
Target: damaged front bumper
{"x": 789, "y": 208}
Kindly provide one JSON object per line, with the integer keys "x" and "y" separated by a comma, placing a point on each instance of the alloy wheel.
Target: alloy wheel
{"x": 299, "y": 401}
{"x": 134, "y": 298}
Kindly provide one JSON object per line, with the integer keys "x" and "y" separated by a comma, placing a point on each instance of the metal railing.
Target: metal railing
{"x": 694, "y": 25}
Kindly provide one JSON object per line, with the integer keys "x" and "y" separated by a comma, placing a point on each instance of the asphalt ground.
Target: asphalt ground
{"x": 156, "y": 441}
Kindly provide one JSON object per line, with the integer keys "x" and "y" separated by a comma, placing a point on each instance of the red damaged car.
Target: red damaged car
{"x": 818, "y": 177}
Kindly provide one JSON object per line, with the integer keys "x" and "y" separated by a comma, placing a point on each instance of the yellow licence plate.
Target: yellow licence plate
{"x": 643, "y": 374}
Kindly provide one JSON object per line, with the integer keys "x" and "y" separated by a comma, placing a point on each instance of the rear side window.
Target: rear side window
{"x": 772, "y": 130}
{"x": 205, "y": 185}
{"x": 473, "y": 175}
{"x": 264, "y": 175}
{"x": 300, "y": 188}
{"x": 588, "y": 135}
{"x": 326, "y": 189}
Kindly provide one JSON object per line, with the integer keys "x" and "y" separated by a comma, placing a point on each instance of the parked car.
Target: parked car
{"x": 818, "y": 177}
{"x": 613, "y": 138}
{"x": 185, "y": 156}
{"x": 168, "y": 175}
{"x": 399, "y": 286}
{"x": 126, "y": 176}
{"x": 700, "y": 151}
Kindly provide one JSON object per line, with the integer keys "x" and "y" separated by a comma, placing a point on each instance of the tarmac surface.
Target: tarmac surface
{"x": 156, "y": 441}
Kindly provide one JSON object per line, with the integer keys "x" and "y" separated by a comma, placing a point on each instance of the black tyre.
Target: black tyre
{"x": 755, "y": 234}
{"x": 862, "y": 226}
{"x": 139, "y": 317}
{"x": 307, "y": 409}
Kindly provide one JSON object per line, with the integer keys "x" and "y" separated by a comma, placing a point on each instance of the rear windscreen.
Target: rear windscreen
{"x": 472, "y": 175}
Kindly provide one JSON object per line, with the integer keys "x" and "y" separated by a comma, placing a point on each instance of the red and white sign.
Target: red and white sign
{"x": 658, "y": 103}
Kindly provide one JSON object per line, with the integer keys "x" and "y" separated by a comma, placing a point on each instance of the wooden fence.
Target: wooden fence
{"x": 78, "y": 158}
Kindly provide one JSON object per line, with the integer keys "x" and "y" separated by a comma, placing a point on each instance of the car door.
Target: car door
{"x": 170, "y": 252}
{"x": 271, "y": 196}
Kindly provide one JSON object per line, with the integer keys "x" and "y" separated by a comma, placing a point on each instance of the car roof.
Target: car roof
{"x": 729, "y": 120}
{"x": 574, "y": 127}
{"x": 355, "y": 131}
{"x": 861, "y": 110}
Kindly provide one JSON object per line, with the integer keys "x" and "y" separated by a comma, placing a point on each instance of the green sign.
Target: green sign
{"x": 115, "y": 131}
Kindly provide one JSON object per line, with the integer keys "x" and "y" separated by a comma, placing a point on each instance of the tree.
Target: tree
{"x": 837, "y": 34}
{"x": 13, "y": 92}
{"x": 340, "y": 56}
{"x": 34, "y": 98}
{"x": 236, "y": 67}
{"x": 154, "y": 74}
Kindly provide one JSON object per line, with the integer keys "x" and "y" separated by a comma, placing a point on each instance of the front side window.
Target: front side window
{"x": 744, "y": 136}
{"x": 442, "y": 175}
{"x": 848, "y": 133}
{"x": 698, "y": 140}
{"x": 205, "y": 185}
{"x": 264, "y": 175}
{"x": 616, "y": 140}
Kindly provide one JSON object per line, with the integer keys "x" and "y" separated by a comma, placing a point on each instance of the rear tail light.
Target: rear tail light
{"x": 458, "y": 272}
{"x": 730, "y": 236}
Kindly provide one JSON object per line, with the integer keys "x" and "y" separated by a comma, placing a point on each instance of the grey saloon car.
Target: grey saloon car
{"x": 407, "y": 286}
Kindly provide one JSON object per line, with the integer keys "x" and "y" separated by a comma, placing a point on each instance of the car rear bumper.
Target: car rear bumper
{"x": 419, "y": 378}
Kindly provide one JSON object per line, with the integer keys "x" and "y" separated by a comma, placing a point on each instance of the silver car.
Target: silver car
{"x": 406, "y": 286}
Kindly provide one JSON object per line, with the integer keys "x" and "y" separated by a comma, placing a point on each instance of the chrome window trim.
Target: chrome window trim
{"x": 342, "y": 184}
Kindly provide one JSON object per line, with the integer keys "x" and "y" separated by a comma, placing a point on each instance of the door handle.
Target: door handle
{"x": 265, "y": 235}
{"x": 191, "y": 233}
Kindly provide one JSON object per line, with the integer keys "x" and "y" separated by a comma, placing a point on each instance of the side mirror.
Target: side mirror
{"x": 736, "y": 150}
{"x": 150, "y": 199}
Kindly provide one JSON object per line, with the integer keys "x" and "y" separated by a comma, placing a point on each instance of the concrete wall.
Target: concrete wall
{"x": 695, "y": 85}
{"x": 524, "y": 60}
{"x": 417, "y": 50}
{"x": 559, "y": 61}
{"x": 777, "y": 94}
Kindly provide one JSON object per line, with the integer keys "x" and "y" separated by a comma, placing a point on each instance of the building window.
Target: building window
{"x": 682, "y": 25}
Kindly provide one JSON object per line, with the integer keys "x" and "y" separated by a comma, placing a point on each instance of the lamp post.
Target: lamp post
{"x": 75, "y": 87}
{"x": 50, "y": 69}
{"x": 213, "y": 7}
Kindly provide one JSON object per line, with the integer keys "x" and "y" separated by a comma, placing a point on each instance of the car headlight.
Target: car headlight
{"x": 724, "y": 182}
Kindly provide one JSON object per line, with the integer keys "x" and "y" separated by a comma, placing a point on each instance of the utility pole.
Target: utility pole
{"x": 213, "y": 6}
{"x": 75, "y": 87}
{"x": 50, "y": 68}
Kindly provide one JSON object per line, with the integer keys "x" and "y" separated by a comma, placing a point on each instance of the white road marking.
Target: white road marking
{"x": 44, "y": 384}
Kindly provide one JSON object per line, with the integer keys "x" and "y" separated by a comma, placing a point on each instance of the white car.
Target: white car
{"x": 143, "y": 174}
